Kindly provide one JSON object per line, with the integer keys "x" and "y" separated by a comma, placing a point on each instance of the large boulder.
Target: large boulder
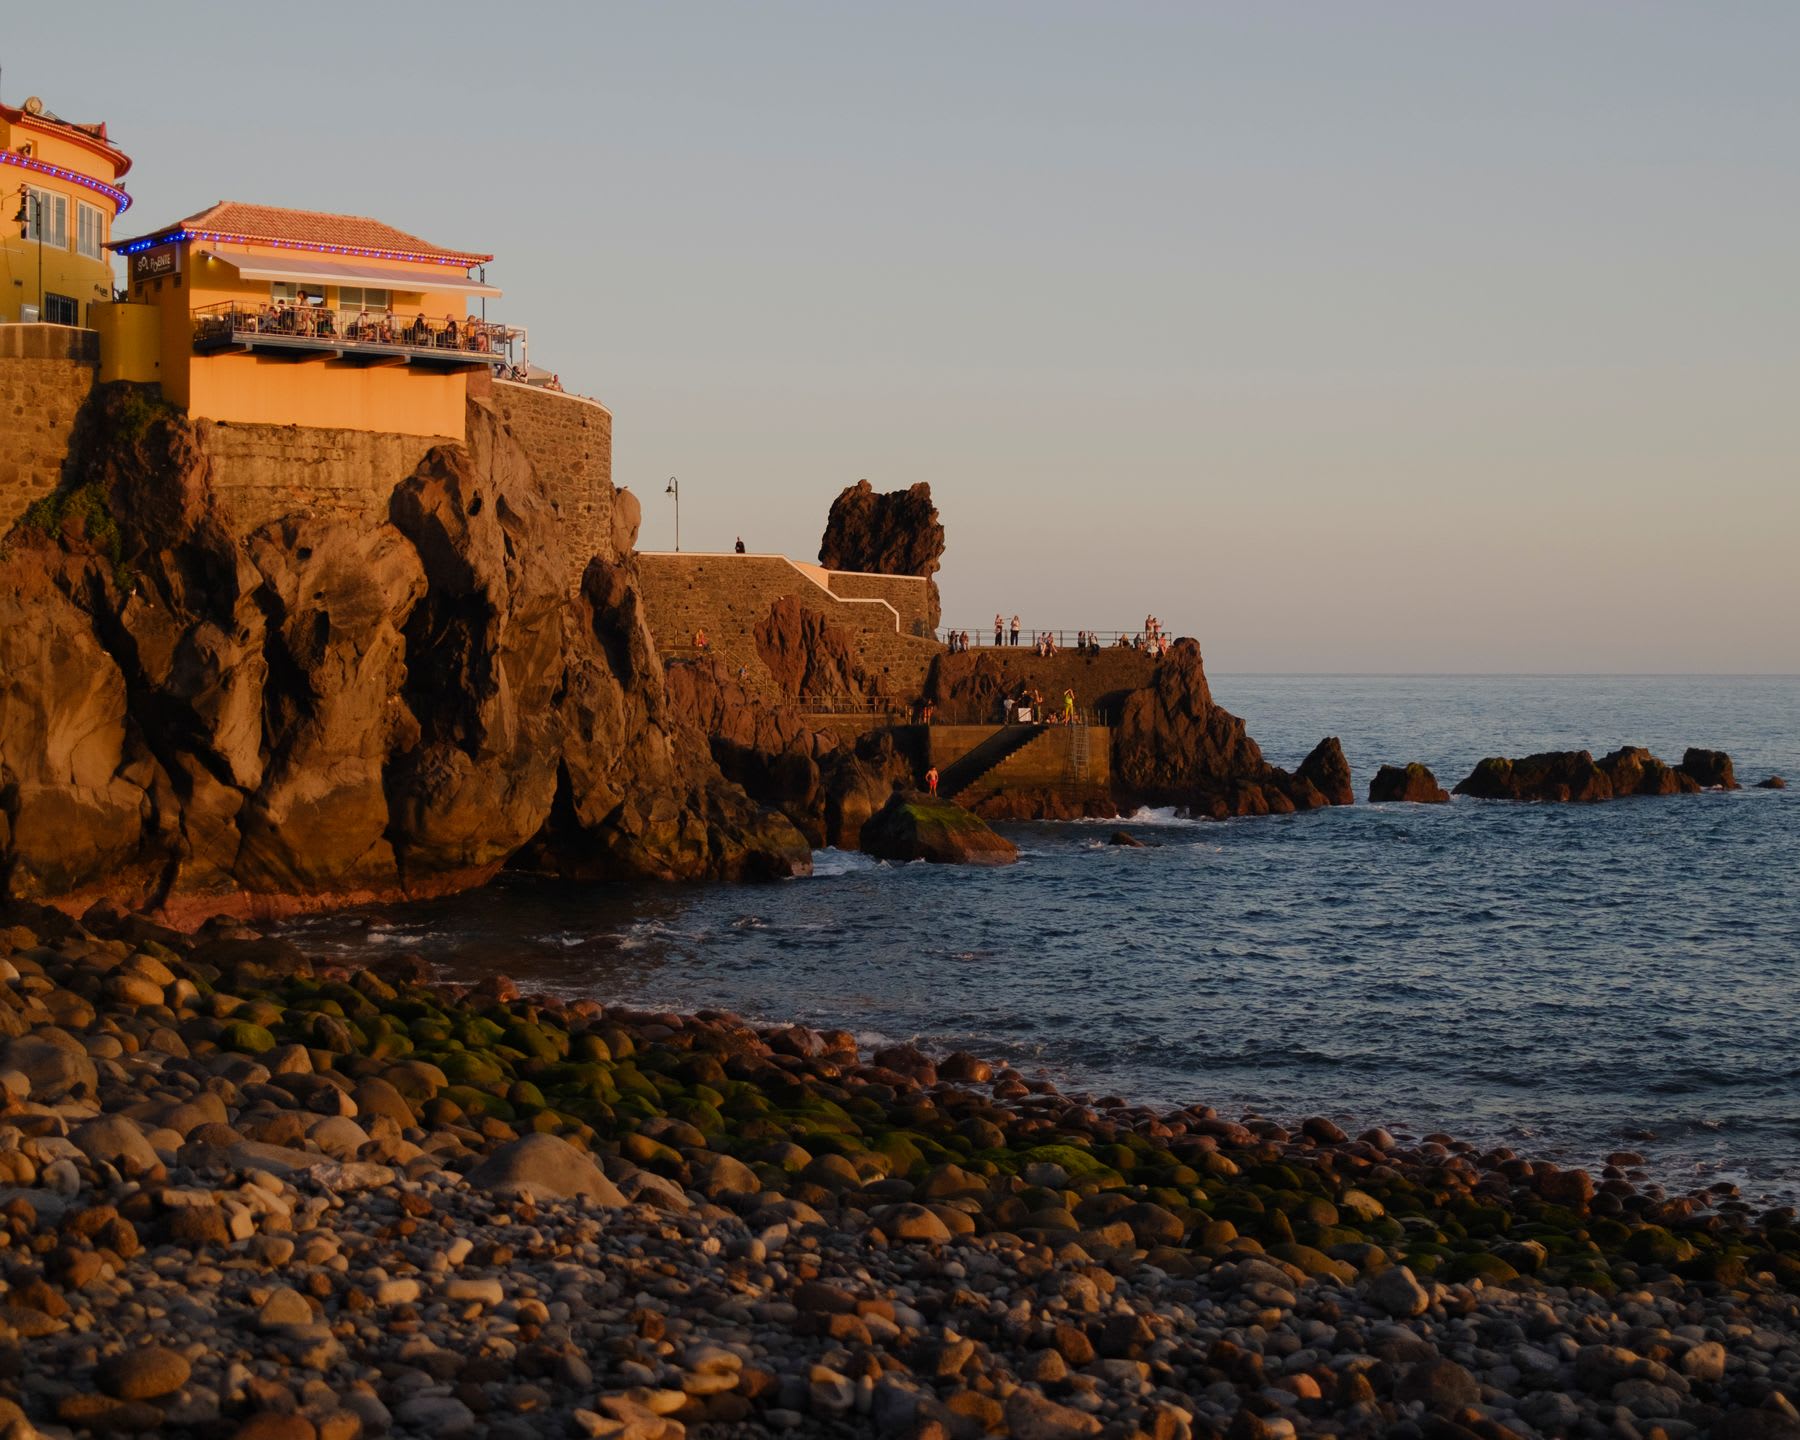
{"x": 1328, "y": 772}
{"x": 810, "y": 656}
{"x": 916, "y": 826}
{"x": 543, "y": 1167}
{"x": 1411, "y": 784}
{"x": 893, "y": 533}
{"x": 1710, "y": 769}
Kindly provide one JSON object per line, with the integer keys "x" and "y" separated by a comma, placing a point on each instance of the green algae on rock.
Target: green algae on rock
{"x": 916, "y": 826}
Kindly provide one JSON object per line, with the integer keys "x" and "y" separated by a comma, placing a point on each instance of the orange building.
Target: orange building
{"x": 273, "y": 316}
{"x": 59, "y": 196}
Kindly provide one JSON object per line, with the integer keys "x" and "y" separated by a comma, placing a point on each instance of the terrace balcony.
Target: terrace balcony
{"x": 300, "y": 332}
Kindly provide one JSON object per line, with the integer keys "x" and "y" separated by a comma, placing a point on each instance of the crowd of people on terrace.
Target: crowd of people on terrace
{"x": 377, "y": 327}
{"x": 1152, "y": 639}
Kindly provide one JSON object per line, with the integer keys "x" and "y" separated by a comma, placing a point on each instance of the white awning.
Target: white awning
{"x": 317, "y": 271}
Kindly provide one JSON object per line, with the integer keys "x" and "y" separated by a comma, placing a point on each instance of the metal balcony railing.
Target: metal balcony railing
{"x": 320, "y": 327}
{"x": 1059, "y": 642}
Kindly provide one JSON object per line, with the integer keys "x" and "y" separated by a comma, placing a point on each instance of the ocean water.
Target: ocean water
{"x": 1566, "y": 980}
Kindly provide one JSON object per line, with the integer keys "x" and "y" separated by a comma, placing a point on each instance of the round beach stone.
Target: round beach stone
{"x": 1397, "y": 1291}
{"x": 142, "y": 1374}
{"x": 911, "y": 1222}
{"x": 116, "y": 1140}
{"x": 543, "y": 1167}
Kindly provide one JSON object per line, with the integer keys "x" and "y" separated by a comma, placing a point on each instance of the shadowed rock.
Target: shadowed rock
{"x": 1412, "y": 784}
{"x": 916, "y": 826}
{"x": 896, "y": 532}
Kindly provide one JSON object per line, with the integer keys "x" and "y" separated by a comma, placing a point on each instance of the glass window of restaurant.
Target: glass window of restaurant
{"x": 351, "y": 297}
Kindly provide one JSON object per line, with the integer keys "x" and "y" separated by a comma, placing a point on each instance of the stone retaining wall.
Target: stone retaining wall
{"x": 569, "y": 440}
{"x": 910, "y": 595}
{"x": 728, "y": 595}
{"x": 46, "y": 372}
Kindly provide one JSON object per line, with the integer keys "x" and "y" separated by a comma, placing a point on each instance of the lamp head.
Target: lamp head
{"x": 669, "y": 489}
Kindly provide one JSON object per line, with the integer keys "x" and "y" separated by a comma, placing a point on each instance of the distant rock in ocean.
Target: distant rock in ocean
{"x": 1412, "y": 784}
{"x": 1774, "y": 782}
{"x": 1574, "y": 776}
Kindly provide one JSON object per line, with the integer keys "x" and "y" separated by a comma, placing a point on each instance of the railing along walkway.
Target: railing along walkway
{"x": 321, "y": 327}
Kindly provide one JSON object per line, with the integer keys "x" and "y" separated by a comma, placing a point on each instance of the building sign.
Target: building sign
{"x": 154, "y": 264}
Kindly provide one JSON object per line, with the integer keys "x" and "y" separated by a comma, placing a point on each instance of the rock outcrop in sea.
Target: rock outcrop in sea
{"x": 1411, "y": 784}
{"x": 916, "y": 826}
{"x": 310, "y": 713}
{"x": 1575, "y": 776}
{"x": 1174, "y": 746}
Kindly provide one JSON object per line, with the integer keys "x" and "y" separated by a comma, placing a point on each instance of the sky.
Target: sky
{"x": 1382, "y": 337}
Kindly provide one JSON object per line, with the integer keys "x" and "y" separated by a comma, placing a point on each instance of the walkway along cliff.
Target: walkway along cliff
{"x": 203, "y": 715}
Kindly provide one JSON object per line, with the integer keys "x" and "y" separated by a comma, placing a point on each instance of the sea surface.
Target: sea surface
{"x": 1566, "y": 980}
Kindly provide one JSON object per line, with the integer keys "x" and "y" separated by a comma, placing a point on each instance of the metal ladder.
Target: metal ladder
{"x": 1078, "y": 753}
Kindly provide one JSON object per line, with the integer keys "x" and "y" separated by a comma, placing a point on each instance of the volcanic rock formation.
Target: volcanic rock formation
{"x": 828, "y": 788}
{"x": 916, "y": 826}
{"x": 1412, "y": 784}
{"x": 896, "y": 532}
{"x": 1174, "y": 746}
{"x": 1575, "y": 776}
{"x": 313, "y": 712}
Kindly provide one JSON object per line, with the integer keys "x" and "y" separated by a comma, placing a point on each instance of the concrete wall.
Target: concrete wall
{"x": 46, "y": 372}
{"x": 569, "y": 440}
{"x": 262, "y": 472}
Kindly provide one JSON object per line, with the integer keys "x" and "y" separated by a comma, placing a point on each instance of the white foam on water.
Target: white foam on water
{"x": 827, "y": 863}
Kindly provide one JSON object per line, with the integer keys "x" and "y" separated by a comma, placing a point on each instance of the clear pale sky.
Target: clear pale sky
{"x": 1434, "y": 336}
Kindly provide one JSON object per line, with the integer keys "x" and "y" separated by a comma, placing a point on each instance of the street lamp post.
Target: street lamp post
{"x": 31, "y": 216}
{"x": 674, "y": 488}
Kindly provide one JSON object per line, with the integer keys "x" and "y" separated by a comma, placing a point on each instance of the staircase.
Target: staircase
{"x": 986, "y": 757}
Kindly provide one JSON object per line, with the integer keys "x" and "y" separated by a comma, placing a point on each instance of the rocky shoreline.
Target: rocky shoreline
{"x": 245, "y": 1194}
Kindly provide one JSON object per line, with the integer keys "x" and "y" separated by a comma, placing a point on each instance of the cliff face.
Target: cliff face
{"x": 1174, "y": 746}
{"x": 204, "y": 717}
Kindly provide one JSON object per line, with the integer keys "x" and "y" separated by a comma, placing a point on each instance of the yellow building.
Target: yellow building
{"x": 295, "y": 317}
{"x": 59, "y": 196}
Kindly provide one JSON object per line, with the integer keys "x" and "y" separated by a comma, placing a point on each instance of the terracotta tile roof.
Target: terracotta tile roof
{"x": 314, "y": 230}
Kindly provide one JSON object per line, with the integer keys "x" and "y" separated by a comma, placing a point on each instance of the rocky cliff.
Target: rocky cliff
{"x": 201, "y": 717}
{"x": 893, "y": 533}
{"x": 1173, "y": 746}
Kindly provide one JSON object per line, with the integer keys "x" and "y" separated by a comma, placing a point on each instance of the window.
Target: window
{"x": 350, "y": 297}
{"x": 60, "y": 309}
{"x": 90, "y": 231}
{"x": 47, "y": 211}
{"x": 296, "y": 294}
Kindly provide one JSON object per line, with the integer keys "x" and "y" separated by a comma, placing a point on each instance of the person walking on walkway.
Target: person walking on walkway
{"x": 999, "y": 631}
{"x": 1015, "y": 630}
{"x": 931, "y": 780}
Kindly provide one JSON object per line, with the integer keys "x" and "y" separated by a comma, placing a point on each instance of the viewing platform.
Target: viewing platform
{"x": 307, "y": 331}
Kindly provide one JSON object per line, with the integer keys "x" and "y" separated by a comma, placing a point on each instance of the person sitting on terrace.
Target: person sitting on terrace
{"x": 387, "y": 327}
{"x": 450, "y": 331}
{"x": 421, "y": 330}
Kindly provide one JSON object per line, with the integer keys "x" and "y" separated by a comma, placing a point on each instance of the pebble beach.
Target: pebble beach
{"x": 247, "y": 1194}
